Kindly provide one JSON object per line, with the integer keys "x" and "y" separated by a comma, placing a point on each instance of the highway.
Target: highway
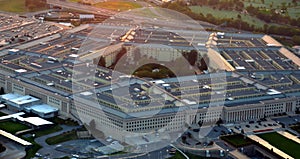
{"x": 81, "y": 7}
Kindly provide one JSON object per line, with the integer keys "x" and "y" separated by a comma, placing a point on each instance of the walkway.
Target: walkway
{"x": 289, "y": 136}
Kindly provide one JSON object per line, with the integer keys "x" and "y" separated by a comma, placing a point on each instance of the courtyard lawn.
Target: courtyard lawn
{"x": 237, "y": 140}
{"x": 288, "y": 146}
{"x": 12, "y": 127}
{"x": 118, "y": 5}
{"x": 67, "y": 136}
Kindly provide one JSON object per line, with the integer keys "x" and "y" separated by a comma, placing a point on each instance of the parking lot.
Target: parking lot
{"x": 250, "y": 127}
{"x": 15, "y": 30}
{"x": 287, "y": 120}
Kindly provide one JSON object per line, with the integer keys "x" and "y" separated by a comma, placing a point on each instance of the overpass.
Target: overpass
{"x": 81, "y": 7}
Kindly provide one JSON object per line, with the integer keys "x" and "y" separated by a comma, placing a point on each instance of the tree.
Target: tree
{"x": 220, "y": 121}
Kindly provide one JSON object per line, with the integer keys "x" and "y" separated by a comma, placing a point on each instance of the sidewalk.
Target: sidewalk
{"x": 289, "y": 136}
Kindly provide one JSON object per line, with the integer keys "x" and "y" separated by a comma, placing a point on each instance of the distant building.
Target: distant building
{"x": 86, "y": 16}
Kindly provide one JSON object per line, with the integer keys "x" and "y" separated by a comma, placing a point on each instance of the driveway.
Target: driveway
{"x": 50, "y": 149}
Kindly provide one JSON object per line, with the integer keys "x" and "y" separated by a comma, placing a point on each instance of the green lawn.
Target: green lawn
{"x": 48, "y": 130}
{"x": 118, "y": 5}
{"x": 12, "y": 127}
{"x": 62, "y": 138}
{"x": 228, "y": 14}
{"x": 237, "y": 140}
{"x": 286, "y": 145}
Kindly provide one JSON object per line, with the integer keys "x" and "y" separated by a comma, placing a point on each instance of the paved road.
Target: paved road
{"x": 78, "y": 6}
{"x": 50, "y": 149}
{"x": 158, "y": 154}
{"x": 13, "y": 150}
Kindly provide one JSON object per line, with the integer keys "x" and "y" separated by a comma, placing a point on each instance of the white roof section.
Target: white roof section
{"x": 13, "y": 50}
{"x": 16, "y": 115}
{"x": 273, "y": 92}
{"x": 73, "y": 55}
{"x": 240, "y": 68}
{"x": 37, "y": 121}
{"x": 189, "y": 102}
{"x": 24, "y": 100}
{"x": 158, "y": 81}
{"x": 10, "y": 96}
{"x": 65, "y": 24}
{"x": 43, "y": 108}
{"x": 86, "y": 16}
{"x": 86, "y": 93}
{"x": 21, "y": 70}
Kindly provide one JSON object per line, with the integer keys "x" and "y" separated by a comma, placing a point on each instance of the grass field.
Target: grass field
{"x": 118, "y": 5}
{"x": 286, "y": 145}
{"x": 237, "y": 140}
{"x": 62, "y": 138}
{"x": 74, "y": 0}
{"x": 228, "y": 14}
{"x": 16, "y": 6}
{"x": 12, "y": 127}
{"x": 293, "y": 10}
{"x": 12, "y": 6}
